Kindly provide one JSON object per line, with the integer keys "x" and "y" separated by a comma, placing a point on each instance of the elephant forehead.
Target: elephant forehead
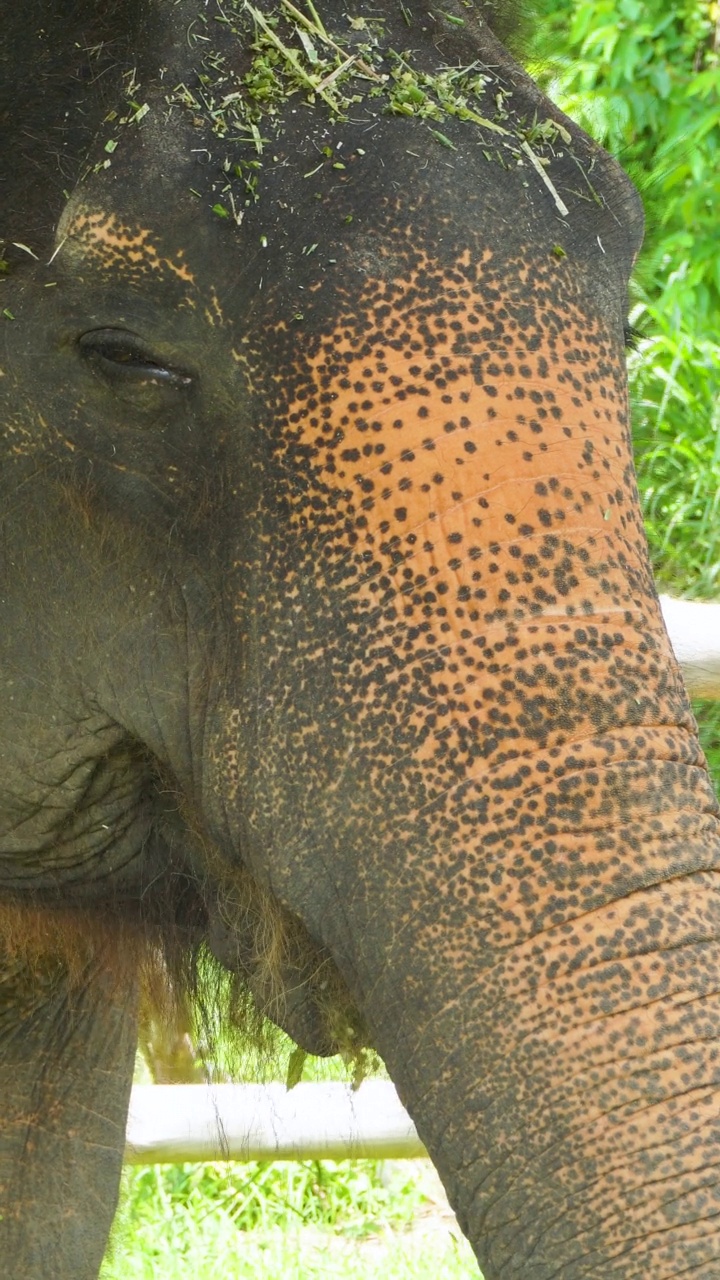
{"x": 466, "y": 402}
{"x": 456, "y": 470}
{"x": 113, "y": 245}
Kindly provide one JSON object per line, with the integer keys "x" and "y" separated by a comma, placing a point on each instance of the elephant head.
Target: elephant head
{"x": 329, "y": 640}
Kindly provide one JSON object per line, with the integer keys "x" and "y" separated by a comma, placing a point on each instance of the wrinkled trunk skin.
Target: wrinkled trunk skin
{"x": 330, "y": 580}
{"x": 518, "y": 835}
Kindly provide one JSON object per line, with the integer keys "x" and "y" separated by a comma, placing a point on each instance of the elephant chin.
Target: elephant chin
{"x": 293, "y": 982}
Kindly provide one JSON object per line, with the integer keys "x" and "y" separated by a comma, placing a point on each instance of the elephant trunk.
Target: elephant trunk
{"x": 570, "y": 1096}
{"x": 547, "y": 996}
{"x": 535, "y": 946}
{"x": 461, "y": 705}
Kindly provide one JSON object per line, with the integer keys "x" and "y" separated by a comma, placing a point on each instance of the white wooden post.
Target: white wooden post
{"x": 172, "y": 1123}
{"x": 694, "y": 630}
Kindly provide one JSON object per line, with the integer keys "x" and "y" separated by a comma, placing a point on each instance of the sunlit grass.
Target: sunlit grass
{"x": 307, "y": 1220}
{"x": 303, "y": 1220}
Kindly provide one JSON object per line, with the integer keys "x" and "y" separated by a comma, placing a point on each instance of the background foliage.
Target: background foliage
{"x": 643, "y": 78}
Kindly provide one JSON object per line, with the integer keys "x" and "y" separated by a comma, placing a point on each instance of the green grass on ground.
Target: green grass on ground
{"x": 301, "y": 1221}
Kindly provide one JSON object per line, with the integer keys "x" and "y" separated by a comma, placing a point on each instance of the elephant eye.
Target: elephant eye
{"x": 121, "y": 357}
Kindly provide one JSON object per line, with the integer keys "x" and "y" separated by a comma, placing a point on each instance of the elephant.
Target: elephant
{"x": 333, "y": 678}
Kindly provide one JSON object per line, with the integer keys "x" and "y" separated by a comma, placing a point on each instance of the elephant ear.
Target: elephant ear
{"x": 62, "y": 64}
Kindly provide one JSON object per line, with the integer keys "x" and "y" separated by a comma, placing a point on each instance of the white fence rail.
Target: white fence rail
{"x": 168, "y": 1124}
{"x": 694, "y": 629}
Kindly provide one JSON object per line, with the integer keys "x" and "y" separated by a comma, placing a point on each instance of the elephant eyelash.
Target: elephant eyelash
{"x": 119, "y": 354}
{"x": 632, "y": 336}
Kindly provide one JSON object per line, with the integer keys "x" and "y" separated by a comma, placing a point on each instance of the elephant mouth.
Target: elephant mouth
{"x": 278, "y": 971}
{"x": 292, "y": 980}
{"x": 126, "y": 845}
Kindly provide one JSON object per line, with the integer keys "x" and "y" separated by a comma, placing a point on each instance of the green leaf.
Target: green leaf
{"x": 296, "y": 1064}
{"x": 443, "y": 139}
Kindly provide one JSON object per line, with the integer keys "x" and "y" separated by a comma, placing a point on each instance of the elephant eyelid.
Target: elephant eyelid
{"x": 120, "y": 354}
